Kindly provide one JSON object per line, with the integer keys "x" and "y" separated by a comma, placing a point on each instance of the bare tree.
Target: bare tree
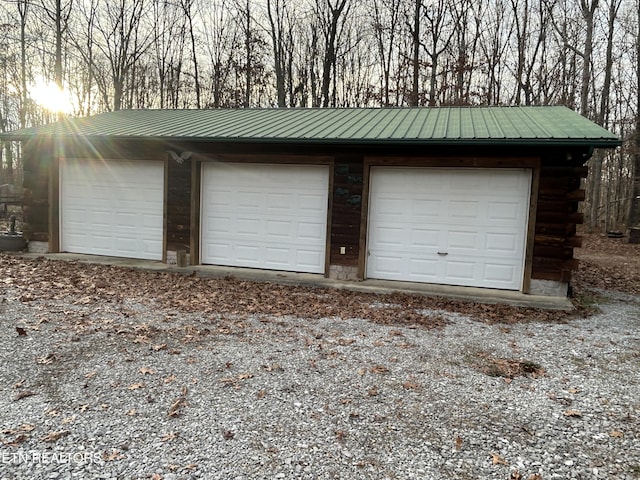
{"x": 634, "y": 210}
{"x": 602, "y": 116}
{"x": 330, "y": 15}
{"x": 187, "y": 8}
{"x": 386, "y": 22}
{"x": 439, "y": 34}
{"x": 279, "y": 31}
{"x": 122, "y": 42}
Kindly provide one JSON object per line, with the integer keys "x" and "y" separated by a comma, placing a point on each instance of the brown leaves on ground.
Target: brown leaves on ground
{"x": 14, "y": 437}
{"x": 44, "y": 279}
{"x": 508, "y": 368}
{"x": 608, "y": 264}
{"x": 55, "y": 436}
{"x": 179, "y": 403}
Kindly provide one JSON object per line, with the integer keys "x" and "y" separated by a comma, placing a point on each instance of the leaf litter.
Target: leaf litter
{"x": 87, "y": 284}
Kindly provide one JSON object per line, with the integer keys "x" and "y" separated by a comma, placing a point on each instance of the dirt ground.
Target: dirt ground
{"x": 607, "y": 263}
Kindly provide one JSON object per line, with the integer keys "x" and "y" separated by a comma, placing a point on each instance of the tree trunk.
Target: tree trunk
{"x": 415, "y": 59}
{"x": 276, "y": 32}
{"x": 634, "y": 211}
{"x": 187, "y": 6}
{"x": 602, "y": 118}
{"x": 329, "y": 62}
{"x": 23, "y": 9}
{"x": 588, "y": 13}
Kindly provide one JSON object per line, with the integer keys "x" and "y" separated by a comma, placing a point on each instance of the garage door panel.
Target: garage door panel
{"x": 422, "y": 238}
{"x": 502, "y": 242}
{"x": 499, "y": 273}
{"x": 426, "y": 208}
{"x": 424, "y": 270}
{"x": 311, "y": 231}
{"x": 272, "y": 216}
{"x": 465, "y": 241}
{"x": 478, "y": 217}
{"x": 463, "y": 210}
{"x": 112, "y": 207}
{"x": 388, "y": 265}
{"x": 463, "y": 272}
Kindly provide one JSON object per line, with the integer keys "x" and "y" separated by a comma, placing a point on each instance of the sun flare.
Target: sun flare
{"x": 47, "y": 95}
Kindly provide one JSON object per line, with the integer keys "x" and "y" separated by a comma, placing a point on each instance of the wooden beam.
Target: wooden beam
{"x": 531, "y": 228}
{"x": 327, "y": 248}
{"x": 364, "y": 221}
{"x": 165, "y": 200}
{"x": 54, "y": 204}
{"x": 196, "y": 184}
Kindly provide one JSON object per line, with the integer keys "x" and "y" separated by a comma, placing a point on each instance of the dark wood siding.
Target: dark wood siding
{"x": 36, "y": 160}
{"x": 347, "y": 202}
{"x": 178, "y": 205}
{"x": 557, "y": 218}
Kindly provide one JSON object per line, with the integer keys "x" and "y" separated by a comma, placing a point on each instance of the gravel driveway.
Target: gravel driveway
{"x": 135, "y": 389}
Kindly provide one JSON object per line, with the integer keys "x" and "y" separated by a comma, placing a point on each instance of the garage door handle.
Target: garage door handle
{"x": 443, "y": 254}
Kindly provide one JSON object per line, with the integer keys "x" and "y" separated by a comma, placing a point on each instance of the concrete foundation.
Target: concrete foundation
{"x": 549, "y": 288}
{"x": 180, "y": 258}
{"x": 38, "y": 247}
{"x": 342, "y": 272}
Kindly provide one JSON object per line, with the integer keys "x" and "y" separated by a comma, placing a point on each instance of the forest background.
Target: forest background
{"x": 82, "y": 57}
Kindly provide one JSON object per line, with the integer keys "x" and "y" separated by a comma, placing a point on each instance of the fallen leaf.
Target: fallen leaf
{"x": 21, "y": 438}
{"x": 24, "y": 394}
{"x": 136, "y": 386}
{"x": 379, "y": 369}
{"x": 176, "y": 406}
{"x": 67, "y": 420}
{"x": 170, "y": 379}
{"x": 147, "y": 371}
{"x": 409, "y": 385}
{"x": 156, "y": 476}
{"x": 616, "y": 434}
{"x": 132, "y": 412}
{"x": 90, "y": 374}
{"x": 458, "y": 442}
{"x": 112, "y": 455}
{"x": 170, "y": 436}
{"x": 574, "y": 390}
{"x": 157, "y": 348}
{"x": 498, "y": 460}
{"x": 55, "y": 436}
{"x": 261, "y": 394}
{"x": 46, "y": 360}
{"x": 21, "y": 332}
{"x": 573, "y": 413}
{"x": 340, "y": 435}
{"x": 228, "y": 434}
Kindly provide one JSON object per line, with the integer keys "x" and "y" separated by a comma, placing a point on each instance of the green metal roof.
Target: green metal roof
{"x": 415, "y": 126}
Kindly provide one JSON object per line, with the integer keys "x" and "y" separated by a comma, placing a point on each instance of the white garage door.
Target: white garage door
{"x": 455, "y": 227}
{"x": 112, "y": 207}
{"x": 265, "y": 216}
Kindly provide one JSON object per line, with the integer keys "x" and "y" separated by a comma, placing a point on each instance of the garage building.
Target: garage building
{"x": 468, "y": 196}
